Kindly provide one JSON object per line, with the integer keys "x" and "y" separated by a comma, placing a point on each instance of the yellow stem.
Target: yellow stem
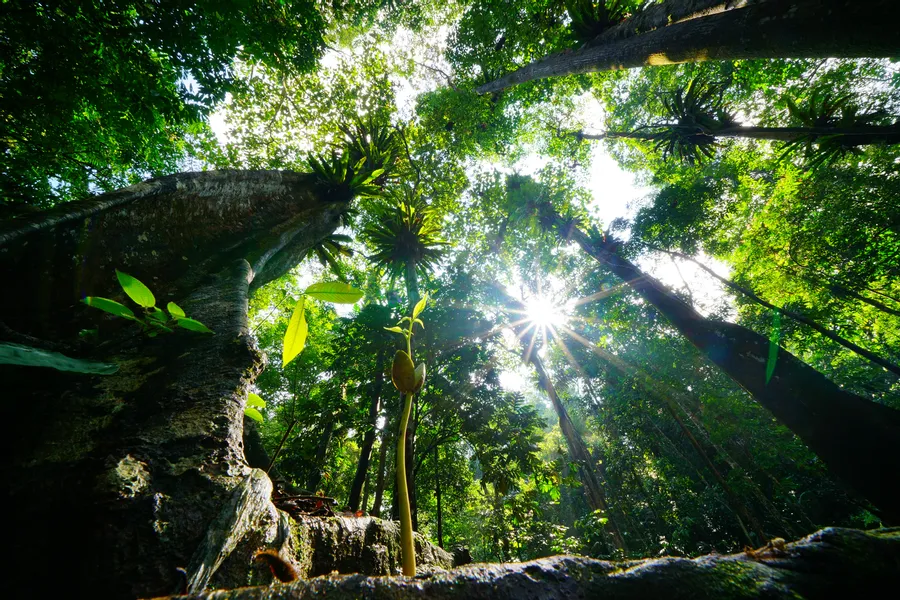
{"x": 407, "y": 546}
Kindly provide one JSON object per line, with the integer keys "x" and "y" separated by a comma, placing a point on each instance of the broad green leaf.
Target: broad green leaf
{"x": 420, "y": 306}
{"x": 175, "y": 310}
{"x": 395, "y": 329}
{"x": 17, "y": 354}
{"x": 110, "y": 306}
{"x": 192, "y": 325}
{"x": 136, "y": 290}
{"x": 255, "y": 401}
{"x": 334, "y": 291}
{"x": 253, "y": 414}
{"x": 403, "y": 373}
{"x": 419, "y": 321}
{"x": 295, "y": 338}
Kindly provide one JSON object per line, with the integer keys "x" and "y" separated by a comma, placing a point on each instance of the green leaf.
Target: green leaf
{"x": 16, "y": 354}
{"x": 136, "y": 290}
{"x": 395, "y": 329}
{"x": 254, "y": 414}
{"x": 420, "y": 306}
{"x": 160, "y": 326}
{"x": 157, "y": 315}
{"x": 255, "y": 401}
{"x": 419, "y": 321}
{"x": 175, "y": 310}
{"x": 110, "y": 306}
{"x": 334, "y": 291}
{"x": 192, "y": 325}
{"x": 295, "y": 338}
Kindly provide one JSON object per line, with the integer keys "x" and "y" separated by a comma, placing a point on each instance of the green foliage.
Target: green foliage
{"x": 254, "y": 405}
{"x": 590, "y": 18}
{"x": 155, "y": 319}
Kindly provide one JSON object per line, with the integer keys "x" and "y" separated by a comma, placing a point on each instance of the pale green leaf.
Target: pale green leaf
{"x": 334, "y": 291}
{"x": 420, "y": 306}
{"x": 295, "y": 338}
{"x": 110, "y": 306}
{"x": 255, "y": 401}
{"x": 193, "y": 325}
{"x": 395, "y": 329}
{"x": 175, "y": 310}
{"x": 253, "y": 414}
{"x": 136, "y": 290}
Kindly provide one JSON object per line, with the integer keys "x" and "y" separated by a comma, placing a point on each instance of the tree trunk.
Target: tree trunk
{"x": 123, "y": 474}
{"x": 315, "y": 472}
{"x": 662, "y": 15}
{"x": 893, "y": 368}
{"x": 770, "y": 29}
{"x": 379, "y": 480}
{"x": 365, "y": 451}
{"x": 437, "y": 494}
{"x": 578, "y": 451}
{"x": 852, "y": 136}
{"x": 857, "y": 439}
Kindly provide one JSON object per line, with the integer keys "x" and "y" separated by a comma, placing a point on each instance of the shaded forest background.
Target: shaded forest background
{"x": 614, "y": 435}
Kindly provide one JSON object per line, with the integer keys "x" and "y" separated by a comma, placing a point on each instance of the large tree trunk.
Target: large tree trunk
{"x": 122, "y": 475}
{"x": 770, "y": 29}
{"x": 851, "y": 136}
{"x": 365, "y": 451}
{"x": 857, "y": 439}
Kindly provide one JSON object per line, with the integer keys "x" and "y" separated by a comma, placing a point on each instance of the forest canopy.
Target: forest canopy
{"x": 663, "y": 303}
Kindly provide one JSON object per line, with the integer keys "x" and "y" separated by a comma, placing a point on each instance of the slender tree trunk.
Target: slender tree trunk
{"x": 437, "y": 494}
{"x": 579, "y": 453}
{"x": 793, "y": 315}
{"x": 365, "y": 451}
{"x": 364, "y": 505}
{"x": 856, "y": 136}
{"x": 771, "y": 29}
{"x": 855, "y": 438}
{"x": 146, "y": 457}
{"x": 379, "y": 478}
{"x": 315, "y": 472}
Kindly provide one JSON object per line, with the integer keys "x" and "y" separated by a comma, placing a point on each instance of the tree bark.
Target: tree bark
{"x": 771, "y": 29}
{"x": 379, "y": 481}
{"x": 855, "y": 438}
{"x": 793, "y": 315}
{"x": 437, "y": 494}
{"x": 852, "y": 136}
{"x": 663, "y": 15}
{"x": 136, "y": 465}
{"x": 365, "y": 451}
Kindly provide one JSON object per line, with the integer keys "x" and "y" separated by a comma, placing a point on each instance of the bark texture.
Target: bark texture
{"x": 831, "y": 563}
{"x": 123, "y": 475}
{"x": 770, "y": 29}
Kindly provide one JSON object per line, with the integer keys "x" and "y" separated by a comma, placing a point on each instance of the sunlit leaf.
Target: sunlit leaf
{"x": 295, "y": 338}
{"x": 254, "y": 414}
{"x": 420, "y": 306}
{"x": 395, "y": 329}
{"x": 110, "y": 306}
{"x": 175, "y": 310}
{"x": 334, "y": 291}
{"x": 255, "y": 401}
{"x": 136, "y": 290}
{"x": 193, "y": 325}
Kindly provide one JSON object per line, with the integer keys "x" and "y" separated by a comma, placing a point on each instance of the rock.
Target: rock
{"x": 365, "y": 545}
{"x": 831, "y": 563}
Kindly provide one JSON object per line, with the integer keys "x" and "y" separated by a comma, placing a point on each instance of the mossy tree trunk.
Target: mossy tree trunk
{"x": 121, "y": 475}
